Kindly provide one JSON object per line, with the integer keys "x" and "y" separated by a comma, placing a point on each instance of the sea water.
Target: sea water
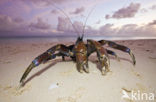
{"x": 59, "y": 39}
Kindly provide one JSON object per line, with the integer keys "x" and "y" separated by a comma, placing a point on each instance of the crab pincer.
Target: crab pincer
{"x": 101, "y": 54}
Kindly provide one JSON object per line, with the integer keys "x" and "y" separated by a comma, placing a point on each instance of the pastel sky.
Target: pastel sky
{"x": 124, "y": 18}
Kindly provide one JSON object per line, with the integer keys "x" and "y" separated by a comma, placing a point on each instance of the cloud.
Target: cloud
{"x": 65, "y": 25}
{"x": 7, "y": 23}
{"x": 17, "y": 26}
{"x": 126, "y": 12}
{"x": 128, "y": 30}
{"x": 18, "y": 20}
{"x": 152, "y": 23}
{"x": 107, "y": 29}
{"x": 78, "y": 10}
{"x": 144, "y": 10}
{"x": 107, "y": 16}
{"x": 54, "y": 11}
{"x": 12, "y": 26}
{"x": 153, "y": 7}
{"x": 40, "y": 25}
{"x": 98, "y": 22}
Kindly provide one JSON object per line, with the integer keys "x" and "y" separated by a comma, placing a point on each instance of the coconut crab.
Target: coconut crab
{"x": 79, "y": 52}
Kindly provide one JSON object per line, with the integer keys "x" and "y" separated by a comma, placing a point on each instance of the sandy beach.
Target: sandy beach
{"x": 59, "y": 81}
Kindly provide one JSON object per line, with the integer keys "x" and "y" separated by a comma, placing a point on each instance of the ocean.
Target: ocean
{"x": 45, "y": 39}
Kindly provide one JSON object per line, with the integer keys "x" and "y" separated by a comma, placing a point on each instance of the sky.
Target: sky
{"x": 113, "y": 18}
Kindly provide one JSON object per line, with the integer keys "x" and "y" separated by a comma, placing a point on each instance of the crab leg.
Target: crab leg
{"x": 38, "y": 60}
{"x": 102, "y": 55}
{"x": 57, "y": 54}
{"x": 91, "y": 49}
{"x": 119, "y": 47}
{"x": 49, "y": 54}
{"x": 113, "y": 53}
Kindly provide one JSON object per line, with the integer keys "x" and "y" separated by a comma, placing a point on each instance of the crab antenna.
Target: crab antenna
{"x": 76, "y": 31}
{"x": 87, "y": 19}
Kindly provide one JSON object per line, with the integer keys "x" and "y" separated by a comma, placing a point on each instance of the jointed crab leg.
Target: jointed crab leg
{"x": 38, "y": 60}
{"x": 102, "y": 55}
{"x": 113, "y": 53}
{"x": 119, "y": 47}
{"x": 49, "y": 54}
{"x": 91, "y": 49}
{"x": 59, "y": 54}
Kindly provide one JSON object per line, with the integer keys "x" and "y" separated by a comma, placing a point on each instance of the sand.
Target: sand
{"x": 59, "y": 81}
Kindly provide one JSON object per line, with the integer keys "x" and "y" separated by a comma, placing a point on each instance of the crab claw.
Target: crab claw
{"x": 105, "y": 62}
{"x": 30, "y": 67}
{"x": 82, "y": 66}
{"x": 85, "y": 66}
{"x": 133, "y": 57}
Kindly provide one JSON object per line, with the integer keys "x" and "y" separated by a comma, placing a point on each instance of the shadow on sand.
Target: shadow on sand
{"x": 93, "y": 59}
